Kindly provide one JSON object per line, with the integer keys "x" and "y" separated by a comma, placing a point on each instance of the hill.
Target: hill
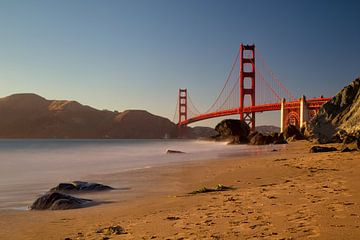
{"x": 32, "y": 116}
{"x": 267, "y": 129}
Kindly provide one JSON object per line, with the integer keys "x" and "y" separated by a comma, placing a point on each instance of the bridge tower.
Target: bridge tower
{"x": 182, "y": 104}
{"x": 247, "y": 81}
{"x": 183, "y": 110}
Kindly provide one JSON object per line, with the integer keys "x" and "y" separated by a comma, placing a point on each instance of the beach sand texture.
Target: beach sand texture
{"x": 284, "y": 194}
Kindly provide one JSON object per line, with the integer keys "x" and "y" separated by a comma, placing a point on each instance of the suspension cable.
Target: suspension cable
{"x": 288, "y": 93}
{"x": 226, "y": 82}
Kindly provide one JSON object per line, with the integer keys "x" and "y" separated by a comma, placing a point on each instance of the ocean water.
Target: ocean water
{"x": 31, "y": 167}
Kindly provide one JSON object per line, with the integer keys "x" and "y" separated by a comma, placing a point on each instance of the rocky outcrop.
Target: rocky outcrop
{"x": 59, "y": 201}
{"x": 80, "y": 186}
{"x": 338, "y": 117}
{"x": 235, "y": 131}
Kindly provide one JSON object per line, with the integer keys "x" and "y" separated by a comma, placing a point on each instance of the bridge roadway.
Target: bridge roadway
{"x": 314, "y": 103}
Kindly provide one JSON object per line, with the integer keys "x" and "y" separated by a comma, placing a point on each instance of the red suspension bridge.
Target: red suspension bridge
{"x": 242, "y": 95}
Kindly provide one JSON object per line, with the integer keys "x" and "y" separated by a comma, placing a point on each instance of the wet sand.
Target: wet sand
{"x": 284, "y": 194}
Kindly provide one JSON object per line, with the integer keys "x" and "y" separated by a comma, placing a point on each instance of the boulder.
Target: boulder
{"x": 236, "y": 131}
{"x": 316, "y": 149}
{"x": 59, "y": 201}
{"x": 80, "y": 186}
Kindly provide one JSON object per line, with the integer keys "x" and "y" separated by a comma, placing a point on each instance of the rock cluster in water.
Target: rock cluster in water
{"x": 238, "y": 132}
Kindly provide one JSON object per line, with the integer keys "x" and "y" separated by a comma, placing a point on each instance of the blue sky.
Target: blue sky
{"x": 136, "y": 54}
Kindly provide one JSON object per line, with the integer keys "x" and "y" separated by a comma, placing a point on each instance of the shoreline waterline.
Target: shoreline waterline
{"x": 31, "y": 167}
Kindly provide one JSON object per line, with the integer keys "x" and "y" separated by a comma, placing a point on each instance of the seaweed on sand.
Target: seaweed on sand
{"x": 218, "y": 188}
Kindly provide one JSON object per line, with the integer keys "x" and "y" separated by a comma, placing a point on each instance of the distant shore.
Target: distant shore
{"x": 284, "y": 194}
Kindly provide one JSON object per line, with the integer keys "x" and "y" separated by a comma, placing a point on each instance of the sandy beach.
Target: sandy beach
{"x": 284, "y": 194}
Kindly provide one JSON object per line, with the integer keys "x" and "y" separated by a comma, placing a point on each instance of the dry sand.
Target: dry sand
{"x": 285, "y": 194}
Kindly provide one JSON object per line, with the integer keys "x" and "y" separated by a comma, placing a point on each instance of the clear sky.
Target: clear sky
{"x": 133, "y": 54}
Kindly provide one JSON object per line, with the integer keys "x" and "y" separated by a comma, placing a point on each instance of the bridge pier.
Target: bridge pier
{"x": 294, "y": 114}
{"x": 282, "y": 115}
{"x": 304, "y": 111}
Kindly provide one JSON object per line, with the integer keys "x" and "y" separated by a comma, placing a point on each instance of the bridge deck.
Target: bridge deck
{"x": 313, "y": 103}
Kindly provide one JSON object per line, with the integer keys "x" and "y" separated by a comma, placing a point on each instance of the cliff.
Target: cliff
{"x": 340, "y": 114}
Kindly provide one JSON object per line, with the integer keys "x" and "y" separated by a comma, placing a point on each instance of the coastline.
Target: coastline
{"x": 286, "y": 194}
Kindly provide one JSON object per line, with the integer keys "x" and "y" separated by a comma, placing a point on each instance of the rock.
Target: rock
{"x": 236, "y": 131}
{"x": 316, "y": 149}
{"x": 306, "y": 130}
{"x": 59, "y": 201}
{"x": 293, "y": 132}
{"x": 346, "y": 149}
{"x": 280, "y": 140}
{"x": 258, "y": 139}
{"x": 80, "y": 186}
{"x": 291, "y": 139}
{"x": 173, "y": 151}
{"x": 112, "y": 230}
{"x": 252, "y": 134}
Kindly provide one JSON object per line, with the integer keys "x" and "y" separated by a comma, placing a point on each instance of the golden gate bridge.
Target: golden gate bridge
{"x": 249, "y": 90}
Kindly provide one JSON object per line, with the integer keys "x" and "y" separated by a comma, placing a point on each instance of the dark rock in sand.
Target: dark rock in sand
{"x": 79, "y": 186}
{"x": 316, "y": 149}
{"x": 173, "y": 151}
{"x": 346, "y": 149}
{"x": 59, "y": 201}
{"x": 112, "y": 230}
{"x": 236, "y": 131}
